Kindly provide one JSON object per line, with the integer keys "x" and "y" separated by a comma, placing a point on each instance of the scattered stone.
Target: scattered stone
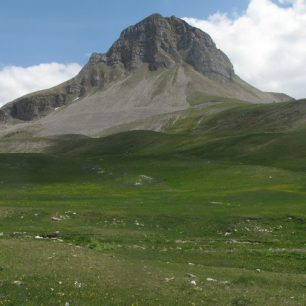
{"x": 143, "y": 179}
{"x": 135, "y": 246}
{"x": 209, "y": 279}
{"x": 19, "y": 233}
{"x": 18, "y": 282}
{"x": 57, "y": 219}
{"x": 241, "y": 242}
{"x": 53, "y": 236}
{"x": 198, "y": 289}
{"x": 69, "y": 212}
{"x": 137, "y": 223}
{"x": 193, "y": 282}
{"x": 224, "y": 282}
{"x": 146, "y": 178}
{"x": 77, "y": 284}
{"x": 169, "y": 279}
{"x": 191, "y": 275}
{"x": 182, "y": 241}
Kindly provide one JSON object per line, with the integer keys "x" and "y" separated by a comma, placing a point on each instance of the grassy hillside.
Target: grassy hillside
{"x": 270, "y": 135}
{"x": 149, "y": 231}
{"x": 210, "y": 213}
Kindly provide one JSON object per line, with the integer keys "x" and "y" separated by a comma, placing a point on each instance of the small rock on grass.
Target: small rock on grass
{"x": 57, "y": 219}
{"x": 169, "y": 279}
{"x": 209, "y": 279}
{"x": 191, "y": 275}
{"x": 77, "y": 284}
{"x": 18, "y": 283}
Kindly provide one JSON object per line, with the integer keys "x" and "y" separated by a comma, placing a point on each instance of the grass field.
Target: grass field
{"x": 144, "y": 218}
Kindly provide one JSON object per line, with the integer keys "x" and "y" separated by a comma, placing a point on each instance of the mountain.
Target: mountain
{"x": 152, "y": 74}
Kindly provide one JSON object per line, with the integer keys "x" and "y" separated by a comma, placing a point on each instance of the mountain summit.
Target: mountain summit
{"x": 157, "y": 69}
{"x": 163, "y": 42}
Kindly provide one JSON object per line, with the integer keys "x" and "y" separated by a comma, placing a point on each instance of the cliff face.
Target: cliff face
{"x": 161, "y": 42}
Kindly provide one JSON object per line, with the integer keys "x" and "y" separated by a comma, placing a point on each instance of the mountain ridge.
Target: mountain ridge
{"x": 156, "y": 67}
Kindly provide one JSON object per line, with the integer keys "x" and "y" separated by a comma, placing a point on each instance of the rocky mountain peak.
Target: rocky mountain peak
{"x": 164, "y": 41}
{"x": 162, "y": 44}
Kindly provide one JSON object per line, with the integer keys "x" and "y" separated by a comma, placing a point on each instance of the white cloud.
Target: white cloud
{"x": 17, "y": 81}
{"x": 267, "y": 44}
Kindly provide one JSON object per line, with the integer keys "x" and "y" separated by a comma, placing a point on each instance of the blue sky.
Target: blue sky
{"x": 40, "y": 31}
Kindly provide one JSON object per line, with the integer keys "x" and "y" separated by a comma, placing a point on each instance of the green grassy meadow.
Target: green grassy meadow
{"x": 194, "y": 216}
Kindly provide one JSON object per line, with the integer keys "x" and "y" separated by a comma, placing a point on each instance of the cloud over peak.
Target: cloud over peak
{"x": 266, "y": 44}
{"x": 17, "y": 81}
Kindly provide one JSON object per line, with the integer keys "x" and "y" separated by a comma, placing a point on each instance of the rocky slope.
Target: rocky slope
{"x": 157, "y": 67}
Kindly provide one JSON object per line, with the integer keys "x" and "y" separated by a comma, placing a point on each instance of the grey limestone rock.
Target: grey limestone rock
{"x": 161, "y": 42}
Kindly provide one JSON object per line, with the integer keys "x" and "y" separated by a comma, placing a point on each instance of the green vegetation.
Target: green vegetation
{"x": 199, "y": 98}
{"x": 199, "y": 215}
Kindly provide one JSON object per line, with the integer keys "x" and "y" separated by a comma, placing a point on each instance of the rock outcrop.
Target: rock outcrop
{"x": 162, "y": 42}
